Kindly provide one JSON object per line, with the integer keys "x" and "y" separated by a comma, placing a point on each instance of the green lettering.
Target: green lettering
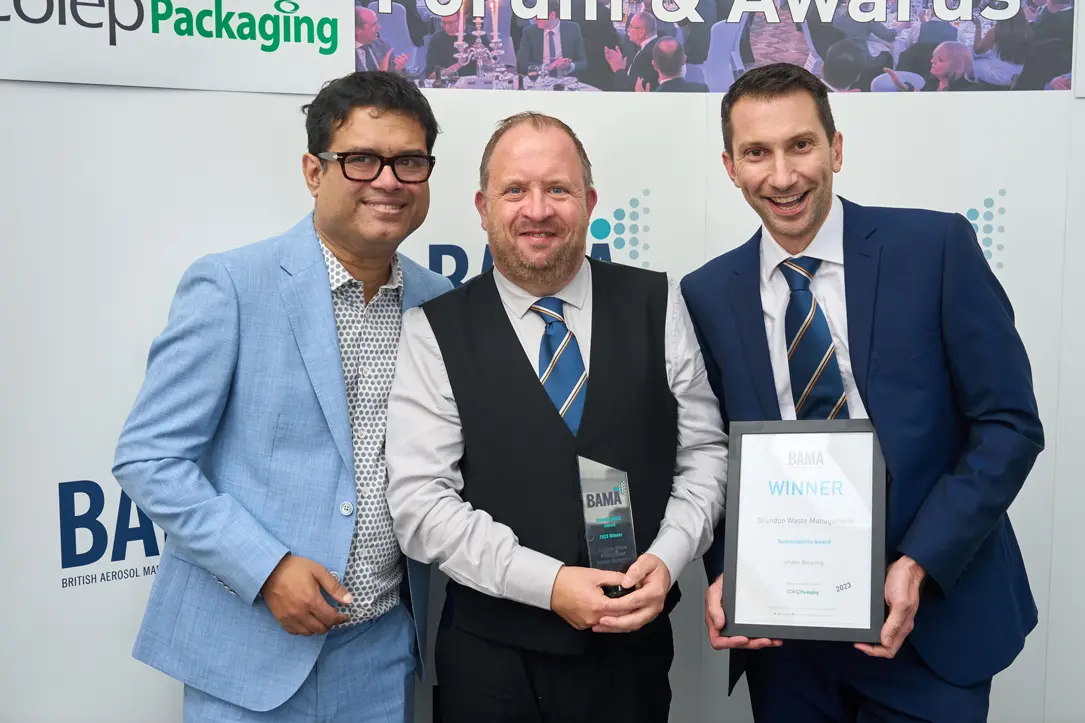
{"x": 303, "y": 22}
{"x": 327, "y": 30}
{"x": 246, "y": 26}
{"x": 200, "y": 28}
{"x": 183, "y": 25}
{"x": 160, "y": 10}
{"x": 222, "y": 22}
{"x": 269, "y": 32}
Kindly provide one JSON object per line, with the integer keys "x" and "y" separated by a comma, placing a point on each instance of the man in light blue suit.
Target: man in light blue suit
{"x": 834, "y": 310}
{"x": 257, "y": 440}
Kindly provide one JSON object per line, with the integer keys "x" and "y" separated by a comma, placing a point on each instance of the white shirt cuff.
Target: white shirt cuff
{"x": 672, "y": 547}
{"x": 530, "y": 578}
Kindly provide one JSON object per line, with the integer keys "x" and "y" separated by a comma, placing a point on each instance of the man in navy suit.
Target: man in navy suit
{"x": 922, "y": 342}
{"x": 557, "y": 44}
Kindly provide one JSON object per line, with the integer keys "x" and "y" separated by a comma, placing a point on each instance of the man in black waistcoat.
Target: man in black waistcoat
{"x": 493, "y": 403}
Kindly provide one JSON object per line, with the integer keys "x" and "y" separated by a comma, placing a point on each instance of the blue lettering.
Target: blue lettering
{"x": 778, "y": 488}
{"x": 71, "y": 522}
{"x": 838, "y": 488}
{"x": 461, "y": 265}
{"x": 144, "y": 530}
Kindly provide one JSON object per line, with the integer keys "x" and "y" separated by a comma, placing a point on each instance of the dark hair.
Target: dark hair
{"x": 1013, "y": 38}
{"x": 773, "y": 81}
{"x": 669, "y": 56}
{"x": 538, "y": 121}
{"x": 843, "y": 64}
{"x": 385, "y": 91}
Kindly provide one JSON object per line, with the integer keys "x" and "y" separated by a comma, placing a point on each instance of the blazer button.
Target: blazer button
{"x": 347, "y": 508}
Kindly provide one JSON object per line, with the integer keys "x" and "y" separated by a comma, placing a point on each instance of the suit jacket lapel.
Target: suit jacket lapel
{"x": 306, "y": 294}
{"x": 862, "y": 256}
{"x": 749, "y": 316}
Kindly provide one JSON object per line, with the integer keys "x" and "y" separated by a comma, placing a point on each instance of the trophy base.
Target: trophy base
{"x": 615, "y": 591}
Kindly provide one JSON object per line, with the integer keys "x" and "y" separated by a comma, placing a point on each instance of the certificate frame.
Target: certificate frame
{"x": 738, "y": 433}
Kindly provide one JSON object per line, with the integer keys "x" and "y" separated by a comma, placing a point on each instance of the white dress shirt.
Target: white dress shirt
{"x": 425, "y": 445}
{"x": 827, "y": 287}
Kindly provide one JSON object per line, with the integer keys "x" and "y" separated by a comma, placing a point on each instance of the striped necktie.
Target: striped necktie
{"x": 561, "y": 368}
{"x": 816, "y": 384}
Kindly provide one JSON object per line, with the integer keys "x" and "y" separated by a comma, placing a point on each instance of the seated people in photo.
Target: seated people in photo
{"x": 669, "y": 60}
{"x": 633, "y": 61}
{"x": 370, "y": 51}
{"x": 1000, "y": 54}
{"x": 441, "y": 53}
{"x": 556, "y": 44}
{"x": 951, "y": 69}
{"x": 844, "y": 64}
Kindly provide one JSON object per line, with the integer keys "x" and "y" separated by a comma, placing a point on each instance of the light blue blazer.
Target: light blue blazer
{"x": 239, "y": 448}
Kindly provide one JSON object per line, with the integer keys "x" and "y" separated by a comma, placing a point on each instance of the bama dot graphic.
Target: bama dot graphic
{"x": 600, "y": 228}
{"x": 619, "y": 214}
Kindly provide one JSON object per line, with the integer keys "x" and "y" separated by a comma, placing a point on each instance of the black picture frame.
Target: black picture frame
{"x": 737, "y": 434}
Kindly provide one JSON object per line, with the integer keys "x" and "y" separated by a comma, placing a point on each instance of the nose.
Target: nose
{"x": 386, "y": 181}
{"x": 537, "y": 205}
{"x": 783, "y": 175}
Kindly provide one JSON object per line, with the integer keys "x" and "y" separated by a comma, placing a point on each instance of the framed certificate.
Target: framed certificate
{"x": 805, "y": 531}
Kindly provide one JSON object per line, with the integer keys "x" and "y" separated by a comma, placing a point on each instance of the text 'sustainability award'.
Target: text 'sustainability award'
{"x": 805, "y": 531}
{"x": 608, "y": 519}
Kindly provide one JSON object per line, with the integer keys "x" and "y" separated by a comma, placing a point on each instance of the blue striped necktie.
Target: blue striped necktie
{"x": 816, "y": 384}
{"x": 561, "y": 368}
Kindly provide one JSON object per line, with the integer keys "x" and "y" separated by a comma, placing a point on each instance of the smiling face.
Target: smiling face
{"x": 369, "y": 216}
{"x": 535, "y": 208}
{"x": 783, "y": 162}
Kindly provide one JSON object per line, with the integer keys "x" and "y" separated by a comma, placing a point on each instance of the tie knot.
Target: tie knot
{"x": 799, "y": 272}
{"x": 550, "y": 309}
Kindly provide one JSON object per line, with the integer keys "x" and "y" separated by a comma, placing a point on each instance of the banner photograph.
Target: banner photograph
{"x": 701, "y": 46}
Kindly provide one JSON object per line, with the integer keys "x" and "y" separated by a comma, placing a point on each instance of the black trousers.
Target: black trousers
{"x": 619, "y": 678}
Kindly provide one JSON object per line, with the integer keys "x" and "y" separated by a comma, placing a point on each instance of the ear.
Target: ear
{"x": 838, "y": 151}
{"x": 729, "y": 164}
{"x": 313, "y": 172}
{"x": 480, "y": 205}
{"x": 592, "y": 199}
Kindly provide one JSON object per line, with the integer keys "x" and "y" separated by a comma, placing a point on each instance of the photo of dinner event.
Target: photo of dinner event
{"x": 641, "y": 53}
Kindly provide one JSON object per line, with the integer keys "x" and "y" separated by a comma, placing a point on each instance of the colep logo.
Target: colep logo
{"x": 622, "y": 241}
{"x": 271, "y": 30}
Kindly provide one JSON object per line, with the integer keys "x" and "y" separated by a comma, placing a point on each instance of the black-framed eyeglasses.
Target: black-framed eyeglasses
{"x": 408, "y": 167}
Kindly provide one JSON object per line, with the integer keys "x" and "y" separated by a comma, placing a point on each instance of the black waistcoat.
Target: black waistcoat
{"x": 519, "y": 460}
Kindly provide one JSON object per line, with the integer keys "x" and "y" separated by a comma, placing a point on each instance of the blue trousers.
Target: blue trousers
{"x": 821, "y": 682}
{"x": 364, "y": 674}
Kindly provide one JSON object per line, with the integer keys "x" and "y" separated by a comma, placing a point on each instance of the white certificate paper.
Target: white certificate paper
{"x": 804, "y": 532}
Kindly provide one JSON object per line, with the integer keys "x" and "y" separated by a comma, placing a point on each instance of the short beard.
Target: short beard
{"x": 558, "y": 270}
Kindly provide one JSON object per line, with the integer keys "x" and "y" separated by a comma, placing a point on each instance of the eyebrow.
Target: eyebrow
{"x": 374, "y": 152}
{"x": 792, "y": 139}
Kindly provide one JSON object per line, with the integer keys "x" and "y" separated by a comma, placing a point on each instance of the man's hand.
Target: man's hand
{"x": 625, "y": 614}
{"x": 715, "y": 619}
{"x": 292, "y": 593}
{"x": 578, "y": 594}
{"x": 902, "y": 593}
{"x": 614, "y": 59}
{"x": 400, "y": 62}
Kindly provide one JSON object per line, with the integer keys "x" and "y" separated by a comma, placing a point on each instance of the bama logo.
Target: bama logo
{"x": 461, "y": 265}
{"x": 604, "y": 499}
{"x": 270, "y": 30}
{"x": 82, "y": 502}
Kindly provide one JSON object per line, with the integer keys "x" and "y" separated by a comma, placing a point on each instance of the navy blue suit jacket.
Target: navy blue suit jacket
{"x": 948, "y": 386}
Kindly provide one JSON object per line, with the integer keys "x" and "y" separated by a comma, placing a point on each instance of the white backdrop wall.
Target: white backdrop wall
{"x": 108, "y": 193}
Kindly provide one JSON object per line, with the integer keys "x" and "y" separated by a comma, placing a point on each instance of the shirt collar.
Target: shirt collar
{"x": 827, "y": 245}
{"x": 338, "y": 276}
{"x": 519, "y": 301}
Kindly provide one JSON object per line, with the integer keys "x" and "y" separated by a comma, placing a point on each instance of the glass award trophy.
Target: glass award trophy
{"x": 608, "y": 519}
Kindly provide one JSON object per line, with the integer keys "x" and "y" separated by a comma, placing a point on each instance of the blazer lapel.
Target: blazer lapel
{"x": 306, "y": 294}
{"x": 749, "y": 316}
{"x": 862, "y": 256}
